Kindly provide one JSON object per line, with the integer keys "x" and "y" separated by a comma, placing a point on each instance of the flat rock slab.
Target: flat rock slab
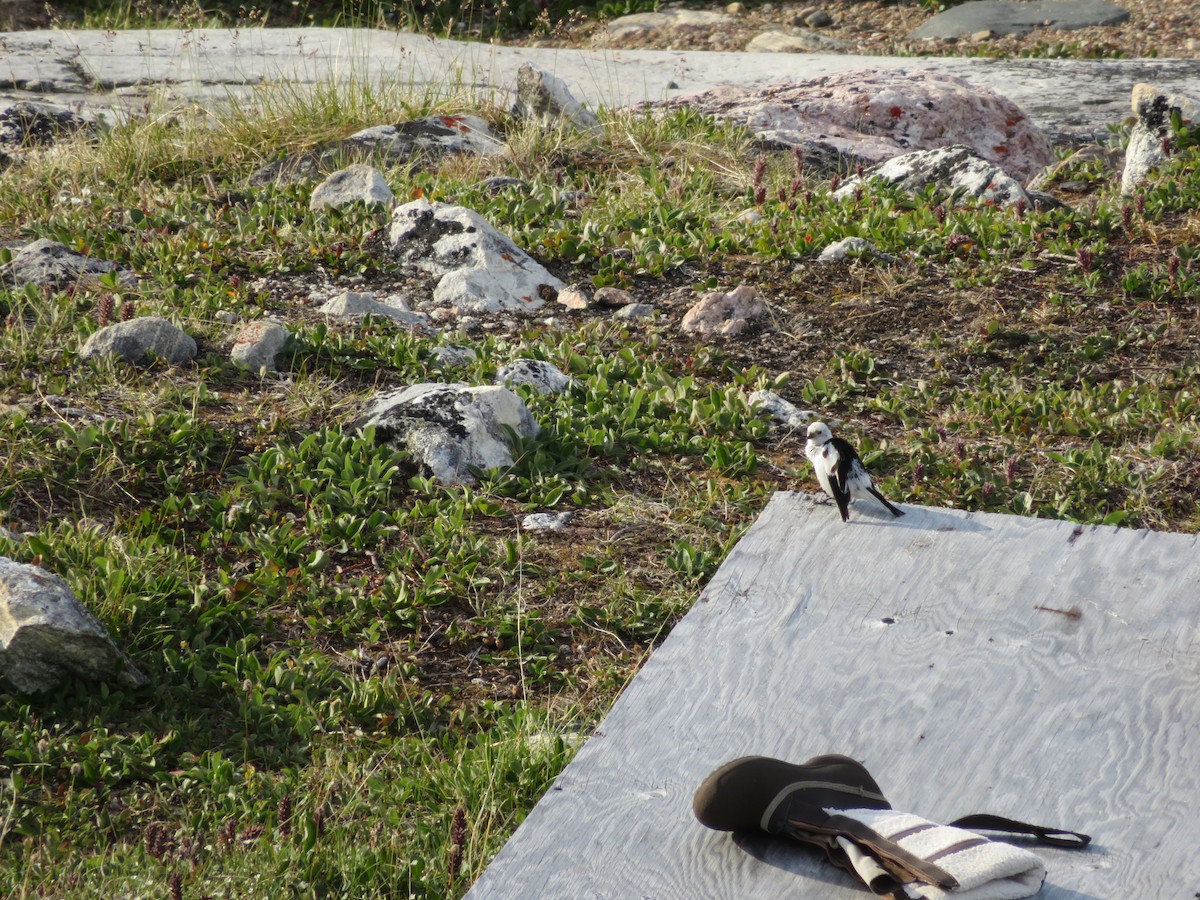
{"x": 1019, "y": 17}
{"x": 973, "y": 662}
{"x": 117, "y": 70}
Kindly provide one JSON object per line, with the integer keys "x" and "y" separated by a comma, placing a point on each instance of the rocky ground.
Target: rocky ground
{"x": 1155, "y": 28}
{"x": 1161, "y": 28}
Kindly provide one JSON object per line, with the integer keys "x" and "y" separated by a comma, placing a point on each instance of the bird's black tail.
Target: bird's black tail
{"x": 894, "y": 510}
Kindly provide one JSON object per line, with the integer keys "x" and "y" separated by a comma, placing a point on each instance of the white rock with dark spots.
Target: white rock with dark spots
{"x": 451, "y": 429}
{"x": 547, "y": 521}
{"x": 782, "y": 411}
{"x": 358, "y": 183}
{"x": 47, "y": 635}
{"x": 543, "y": 377}
{"x": 56, "y": 266}
{"x": 950, "y": 169}
{"x": 1154, "y": 109}
{"x": 256, "y": 344}
{"x": 480, "y": 269}
{"x": 141, "y": 341}
{"x": 849, "y": 247}
{"x": 724, "y": 314}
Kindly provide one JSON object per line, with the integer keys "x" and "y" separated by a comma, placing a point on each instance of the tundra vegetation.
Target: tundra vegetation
{"x": 362, "y": 680}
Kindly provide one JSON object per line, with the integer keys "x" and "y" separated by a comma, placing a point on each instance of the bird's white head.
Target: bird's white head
{"x": 819, "y": 433}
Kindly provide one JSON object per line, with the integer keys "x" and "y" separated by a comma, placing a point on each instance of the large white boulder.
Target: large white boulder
{"x": 46, "y": 634}
{"x": 450, "y": 428}
{"x": 951, "y": 169}
{"x": 871, "y": 115}
{"x": 481, "y": 269}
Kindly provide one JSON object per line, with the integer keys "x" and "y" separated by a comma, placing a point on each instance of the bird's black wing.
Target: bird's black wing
{"x": 839, "y": 475}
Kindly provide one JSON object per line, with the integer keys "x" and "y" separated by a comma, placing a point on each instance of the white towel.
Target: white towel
{"x": 984, "y": 869}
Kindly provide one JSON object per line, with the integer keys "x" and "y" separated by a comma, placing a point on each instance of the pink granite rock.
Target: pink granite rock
{"x": 724, "y": 314}
{"x": 873, "y": 115}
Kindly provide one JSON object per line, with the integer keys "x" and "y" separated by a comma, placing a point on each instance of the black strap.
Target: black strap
{"x": 1053, "y": 837}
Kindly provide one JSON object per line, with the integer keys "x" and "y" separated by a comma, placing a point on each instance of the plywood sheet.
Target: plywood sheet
{"x": 926, "y": 647}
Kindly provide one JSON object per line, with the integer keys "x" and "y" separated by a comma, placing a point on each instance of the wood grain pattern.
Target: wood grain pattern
{"x": 920, "y": 647}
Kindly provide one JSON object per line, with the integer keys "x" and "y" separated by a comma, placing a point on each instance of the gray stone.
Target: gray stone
{"x": 450, "y": 356}
{"x": 357, "y": 183}
{"x": 417, "y": 140}
{"x": 782, "y": 411}
{"x": 724, "y": 314}
{"x": 625, "y": 28}
{"x": 818, "y": 18}
{"x": 24, "y": 124}
{"x": 256, "y": 345}
{"x": 543, "y": 377}
{"x": 51, "y": 264}
{"x": 451, "y": 428}
{"x": 480, "y": 269}
{"x": 631, "y": 311}
{"x": 795, "y": 42}
{"x": 612, "y": 297}
{"x": 1154, "y": 108}
{"x": 349, "y": 304}
{"x": 544, "y": 98}
{"x": 850, "y": 247}
{"x": 47, "y": 635}
{"x": 1019, "y": 17}
{"x": 547, "y": 521}
{"x": 951, "y": 169}
{"x": 140, "y": 341}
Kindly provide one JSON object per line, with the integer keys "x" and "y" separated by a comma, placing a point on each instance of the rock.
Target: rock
{"x": 574, "y": 296}
{"x": 256, "y": 345}
{"x": 851, "y": 247}
{"x": 795, "y": 42}
{"x": 450, "y": 356}
{"x": 450, "y": 428}
{"x": 545, "y": 99}
{"x": 498, "y": 183}
{"x": 24, "y": 124}
{"x": 349, "y": 304}
{"x": 1145, "y": 152}
{"x": 51, "y": 264}
{"x": 631, "y": 311}
{"x": 1108, "y": 157}
{"x": 140, "y": 341}
{"x": 787, "y": 414}
{"x": 872, "y": 115}
{"x": 547, "y": 521}
{"x": 951, "y": 169}
{"x": 1018, "y": 17}
{"x": 724, "y": 314}
{"x": 481, "y": 269}
{"x": 543, "y": 377}
{"x": 612, "y": 297}
{"x": 358, "y": 183}
{"x": 625, "y": 28}
{"x": 47, "y": 635}
{"x": 416, "y": 140}
{"x": 818, "y": 18}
